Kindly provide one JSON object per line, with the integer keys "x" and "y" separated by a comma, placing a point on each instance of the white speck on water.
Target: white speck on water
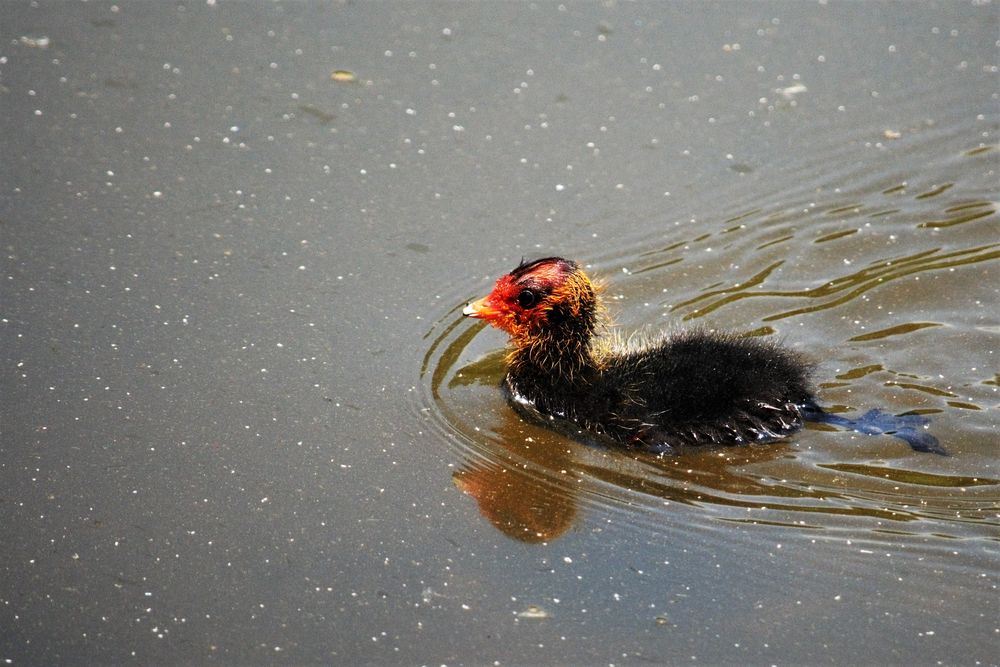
{"x": 560, "y": 187}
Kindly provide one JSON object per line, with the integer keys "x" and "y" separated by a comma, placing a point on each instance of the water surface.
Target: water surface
{"x": 244, "y": 421}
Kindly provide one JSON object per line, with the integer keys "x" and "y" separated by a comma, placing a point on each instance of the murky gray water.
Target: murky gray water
{"x": 244, "y": 421}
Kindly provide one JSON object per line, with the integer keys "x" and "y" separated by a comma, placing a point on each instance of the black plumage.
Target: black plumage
{"x": 692, "y": 388}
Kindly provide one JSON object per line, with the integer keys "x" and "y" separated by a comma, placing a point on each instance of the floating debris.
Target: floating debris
{"x": 343, "y": 76}
{"x": 533, "y": 611}
{"x": 892, "y": 134}
{"x": 36, "y": 42}
{"x": 791, "y": 91}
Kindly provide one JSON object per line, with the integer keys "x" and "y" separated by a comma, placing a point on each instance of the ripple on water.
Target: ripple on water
{"x": 886, "y": 275}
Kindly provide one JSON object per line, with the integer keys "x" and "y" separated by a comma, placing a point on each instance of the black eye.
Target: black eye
{"x": 527, "y": 298}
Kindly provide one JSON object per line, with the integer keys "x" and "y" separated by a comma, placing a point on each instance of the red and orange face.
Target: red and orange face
{"x": 522, "y": 300}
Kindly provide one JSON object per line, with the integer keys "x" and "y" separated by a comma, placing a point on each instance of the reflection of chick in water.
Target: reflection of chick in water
{"x": 516, "y": 503}
{"x": 519, "y": 490}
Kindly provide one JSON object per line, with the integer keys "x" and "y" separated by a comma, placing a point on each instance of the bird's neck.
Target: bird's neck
{"x": 552, "y": 364}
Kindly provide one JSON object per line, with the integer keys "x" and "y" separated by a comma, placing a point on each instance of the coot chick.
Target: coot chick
{"x": 692, "y": 388}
